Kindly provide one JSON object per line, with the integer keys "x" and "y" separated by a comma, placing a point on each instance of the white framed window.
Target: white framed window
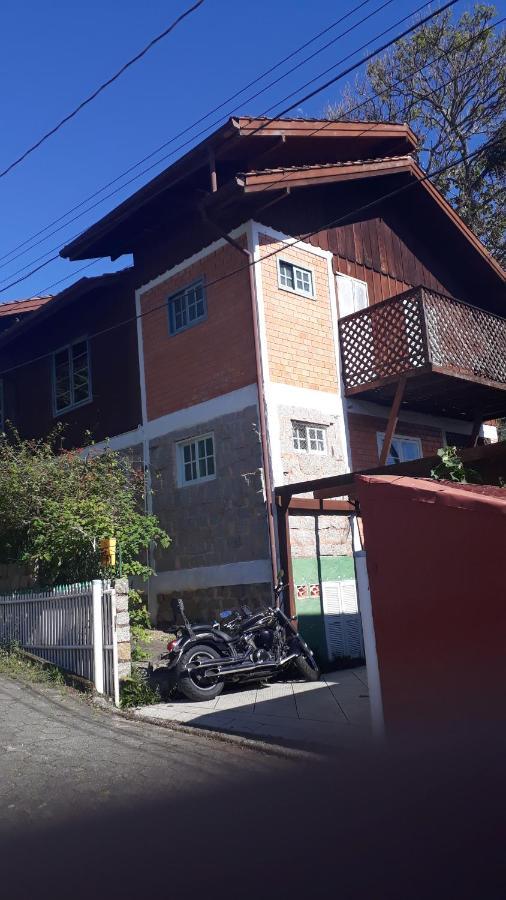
{"x": 187, "y": 307}
{"x": 196, "y": 460}
{"x": 71, "y": 376}
{"x": 295, "y": 278}
{"x": 309, "y": 438}
{"x": 352, "y": 294}
{"x": 403, "y": 449}
{"x": 2, "y": 406}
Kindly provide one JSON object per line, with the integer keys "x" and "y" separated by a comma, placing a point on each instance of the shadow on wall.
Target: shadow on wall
{"x": 203, "y": 606}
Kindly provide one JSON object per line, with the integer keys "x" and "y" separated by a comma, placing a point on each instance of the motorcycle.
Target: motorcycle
{"x": 242, "y": 646}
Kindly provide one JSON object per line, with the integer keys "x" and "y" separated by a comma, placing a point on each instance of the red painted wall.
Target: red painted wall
{"x": 435, "y": 558}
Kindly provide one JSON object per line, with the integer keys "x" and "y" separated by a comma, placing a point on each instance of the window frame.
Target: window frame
{"x": 180, "y": 461}
{"x": 199, "y": 282}
{"x": 73, "y": 405}
{"x": 294, "y": 290}
{"x": 380, "y": 437}
{"x": 307, "y": 426}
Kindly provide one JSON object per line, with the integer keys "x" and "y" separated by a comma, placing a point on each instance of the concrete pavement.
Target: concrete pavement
{"x": 327, "y": 715}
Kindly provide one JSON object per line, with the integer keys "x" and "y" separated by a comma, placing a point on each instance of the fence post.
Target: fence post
{"x": 98, "y": 642}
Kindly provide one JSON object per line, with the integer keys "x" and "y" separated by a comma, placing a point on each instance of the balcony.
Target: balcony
{"x": 452, "y": 355}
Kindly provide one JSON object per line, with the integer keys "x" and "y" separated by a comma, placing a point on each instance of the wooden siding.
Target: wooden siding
{"x": 115, "y": 405}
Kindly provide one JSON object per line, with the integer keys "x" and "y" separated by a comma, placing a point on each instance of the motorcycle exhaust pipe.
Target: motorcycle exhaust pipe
{"x": 217, "y": 668}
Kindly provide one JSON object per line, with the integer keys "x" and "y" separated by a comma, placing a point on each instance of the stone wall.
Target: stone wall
{"x": 218, "y": 521}
{"x": 204, "y": 605}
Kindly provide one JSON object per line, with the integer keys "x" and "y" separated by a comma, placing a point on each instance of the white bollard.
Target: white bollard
{"x": 98, "y": 644}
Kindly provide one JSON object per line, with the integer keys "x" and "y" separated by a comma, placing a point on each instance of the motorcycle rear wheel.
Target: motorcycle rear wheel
{"x": 195, "y": 687}
{"x": 306, "y": 664}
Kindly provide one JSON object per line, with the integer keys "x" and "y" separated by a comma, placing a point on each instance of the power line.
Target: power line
{"x": 313, "y": 93}
{"x": 285, "y": 245}
{"x": 102, "y": 87}
{"x": 366, "y": 59}
{"x": 191, "y": 127}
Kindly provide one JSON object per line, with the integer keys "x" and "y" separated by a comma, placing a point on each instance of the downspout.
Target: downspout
{"x": 261, "y": 392}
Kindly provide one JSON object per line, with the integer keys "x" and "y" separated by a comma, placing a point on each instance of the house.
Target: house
{"x": 307, "y": 303}
{"x": 19, "y": 310}
{"x": 73, "y": 361}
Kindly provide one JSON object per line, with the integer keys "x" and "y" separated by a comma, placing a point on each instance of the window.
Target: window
{"x": 456, "y": 439}
{"x": 187, "y": 307}
{"x": 309, "y": 438}
{"x": 196, "y": 460}
{"x": 71, "y": 376}
{"x": 403, "y": 449}
{"x": 2, "y": 406}
{"x": 295, "y": 278}
{"x": 352, "y": 294}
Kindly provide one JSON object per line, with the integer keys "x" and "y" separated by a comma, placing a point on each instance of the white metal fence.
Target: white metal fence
{"x": 72, "y": 626}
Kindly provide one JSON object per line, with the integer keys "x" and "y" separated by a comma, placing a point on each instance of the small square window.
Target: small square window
{"x": 196, "y": 460}
{"x": 187, "y": 307}
{"x": 309, "y": 438}
{"x": 295, "y": 278}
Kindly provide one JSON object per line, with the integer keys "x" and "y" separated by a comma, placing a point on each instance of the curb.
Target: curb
{"x": 210, "y": 733}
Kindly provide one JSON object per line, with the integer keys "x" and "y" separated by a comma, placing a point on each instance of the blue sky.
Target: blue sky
{"x": 54, "y": 53}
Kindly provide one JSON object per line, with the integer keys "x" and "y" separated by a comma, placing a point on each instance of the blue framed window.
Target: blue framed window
{"x": 187, "y": 307}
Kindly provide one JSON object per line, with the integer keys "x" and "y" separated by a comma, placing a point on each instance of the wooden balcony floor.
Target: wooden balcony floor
{"x": 445, "y": 395}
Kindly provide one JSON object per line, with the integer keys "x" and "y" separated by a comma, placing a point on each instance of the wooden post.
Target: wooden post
{"x": 392, "y": 420}
{"x": 285, "y": 555}
{"x": 473, "y": 440}
{"x": 212, "y": 171}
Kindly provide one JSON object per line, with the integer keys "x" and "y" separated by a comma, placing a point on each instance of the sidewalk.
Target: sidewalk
{"x": 327, "y": 715}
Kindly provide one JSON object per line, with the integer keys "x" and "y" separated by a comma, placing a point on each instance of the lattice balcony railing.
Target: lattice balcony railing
{"x": 421, "y": 330}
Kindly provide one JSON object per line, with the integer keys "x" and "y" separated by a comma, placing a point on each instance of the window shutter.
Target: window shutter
{"x": 332, "y": 611}
{"x": 343, "y": 625}
{"x": 360, "y": 295}
{"x": 345, "y": 295}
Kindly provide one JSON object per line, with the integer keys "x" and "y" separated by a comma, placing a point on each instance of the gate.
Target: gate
{"x": 71, "y": 626}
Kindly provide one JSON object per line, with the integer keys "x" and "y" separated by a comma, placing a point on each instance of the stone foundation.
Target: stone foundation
{"x": 202, "y": 606}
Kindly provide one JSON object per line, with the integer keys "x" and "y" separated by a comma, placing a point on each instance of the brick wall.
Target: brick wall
{"x": 299, "y": 329}
{"x": 211, "y": 358}
{"x": 364, "y": 446}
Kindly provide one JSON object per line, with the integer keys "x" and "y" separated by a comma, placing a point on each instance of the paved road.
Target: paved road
{"x": 94, "y": 806}
{"x": 62, "y": 757}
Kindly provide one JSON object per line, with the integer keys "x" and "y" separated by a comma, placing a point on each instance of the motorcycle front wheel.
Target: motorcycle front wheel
{"x": 195, "y": 686}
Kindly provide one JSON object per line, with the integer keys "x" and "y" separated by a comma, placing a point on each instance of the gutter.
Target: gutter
{"x": 261, "y": 392}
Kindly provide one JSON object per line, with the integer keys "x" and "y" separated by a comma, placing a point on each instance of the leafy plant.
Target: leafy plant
{"x": 16, "y": 664}
{"x": 448, "y": 81}
{"x": 451, "y": 468}
{"x": 140, "y": 625}
{"x": 56, "y": 505}
{"x": 137, "y": 691}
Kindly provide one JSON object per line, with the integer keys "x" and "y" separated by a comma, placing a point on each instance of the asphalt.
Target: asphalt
{"x": 93, "y": 805}
{"x": 62, "y": 758}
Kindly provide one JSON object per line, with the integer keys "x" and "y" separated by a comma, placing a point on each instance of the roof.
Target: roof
{"x": 71, "y": 293}
{"x": 299, "y": 176}
{"x": 21, "y": 307}
{"x": 242, "y": 140}
{"x": 489, "y": 460}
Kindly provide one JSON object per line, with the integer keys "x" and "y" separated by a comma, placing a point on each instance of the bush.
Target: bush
{"x": 56, "y": 505}
{"x": 136, "y": 690}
